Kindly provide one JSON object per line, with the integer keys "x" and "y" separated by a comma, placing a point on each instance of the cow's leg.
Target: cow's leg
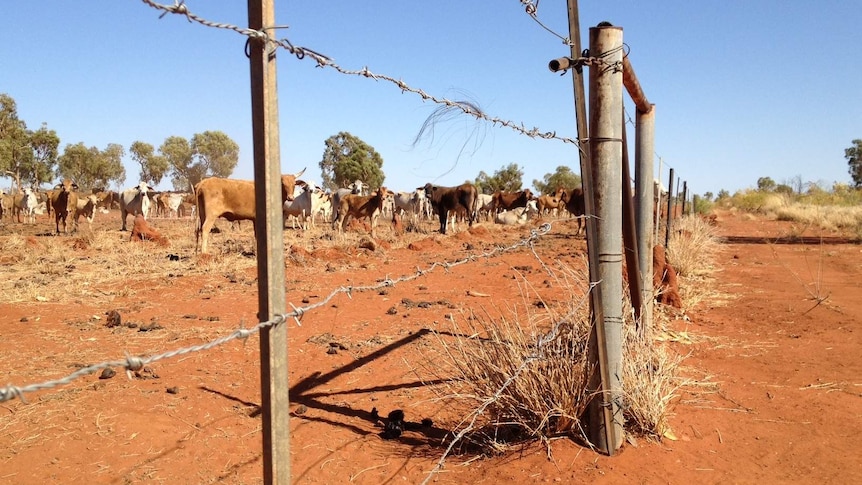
{"x": 443, "y": 213}
{"x": 205, "y": 229}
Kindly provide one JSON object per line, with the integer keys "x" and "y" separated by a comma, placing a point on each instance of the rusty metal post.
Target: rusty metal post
{"x": 630, "y": 236}
{"x": 684, "y": 196}
{"x": 606, "y": 114}
{"x": 269, "y": 232}
{"x": 669, "y": 215}
{"x": 645, "y": 193}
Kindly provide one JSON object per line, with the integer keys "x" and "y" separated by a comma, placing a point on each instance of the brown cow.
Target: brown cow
{"x": 232, "y": 199}
{"x": 506, "y": 201}
{"x": 446, "y": 199}
{"x": 552, "y": 201}
{"x": 574, "y": 199}
{"x": 360, "y": 207}
{"x": 64, "y": 201}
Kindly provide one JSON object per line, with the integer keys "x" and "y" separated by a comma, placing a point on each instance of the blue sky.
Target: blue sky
{"x": 743, "y": 89}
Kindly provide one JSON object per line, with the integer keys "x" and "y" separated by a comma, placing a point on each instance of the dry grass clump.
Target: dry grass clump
{"x": 830, "y": 218}
{"x": 651, "y": 382}
{"x": 526, "y": 377}
{"x": 693, "y": 244}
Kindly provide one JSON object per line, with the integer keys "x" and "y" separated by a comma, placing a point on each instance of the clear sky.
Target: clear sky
{"x": 743, "y": 89}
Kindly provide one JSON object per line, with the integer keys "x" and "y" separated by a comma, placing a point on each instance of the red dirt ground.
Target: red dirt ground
{"x": 785, "y": 405}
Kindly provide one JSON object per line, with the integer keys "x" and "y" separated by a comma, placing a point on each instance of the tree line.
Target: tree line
{"x": 33, "y": 158}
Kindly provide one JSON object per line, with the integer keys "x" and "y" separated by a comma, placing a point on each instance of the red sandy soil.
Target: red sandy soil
{"x": 783, "y": 404}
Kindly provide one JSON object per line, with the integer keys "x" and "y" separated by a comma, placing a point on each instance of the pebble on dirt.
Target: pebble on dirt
{"x": 107, "y": 373}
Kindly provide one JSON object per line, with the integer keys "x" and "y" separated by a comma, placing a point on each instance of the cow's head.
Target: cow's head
{"x": 66, "y": 186}
{"x": 288, "y": 185}
{"x": 143, "y": 188}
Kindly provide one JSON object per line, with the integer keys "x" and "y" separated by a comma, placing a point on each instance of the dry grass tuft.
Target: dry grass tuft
{"x": 526, "y": 377}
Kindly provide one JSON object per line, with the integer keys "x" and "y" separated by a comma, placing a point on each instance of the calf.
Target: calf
{"x": 64, "y": 201}
{"x": 232, "y": 199}
{"x": 356, "y": 188}
{"x": 86, "y": 207}
{"x": 360, "y": 207}
{"x": 548, "y": 203}
{"x": 446, "y": 199}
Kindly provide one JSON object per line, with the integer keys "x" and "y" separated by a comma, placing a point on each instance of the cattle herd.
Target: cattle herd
{"x": 303, "y": 203}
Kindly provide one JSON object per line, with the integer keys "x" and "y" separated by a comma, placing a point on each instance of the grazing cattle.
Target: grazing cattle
{"x": 232, "y": 199}
{"x": 408, "y": 203}
{"x": 360, "y": 207}
{"x": 356, "y": 188}
{"x": 574, "y": 199}
{"x": 422, "y": 204}
{"x": 27, "y": 204}
{"x": 107, "y": 199}
{"x": 168, "y": 203}
{"x": 135, "y": 201}
{"x": 506, "y": 201}
{"x": 86, "y": 207}
{"x": 446, "y": 199}
{"x": 304, "y": 205}
{"x": 64, "y": 201}
{"x": 555, "y": 202}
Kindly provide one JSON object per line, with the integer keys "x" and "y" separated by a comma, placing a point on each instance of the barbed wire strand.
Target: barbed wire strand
{"x": 134, "y": 363}
{"x": 322, "y": 60}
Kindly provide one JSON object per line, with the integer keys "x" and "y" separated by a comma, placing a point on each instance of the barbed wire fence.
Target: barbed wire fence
{"x": 135, "y": 363}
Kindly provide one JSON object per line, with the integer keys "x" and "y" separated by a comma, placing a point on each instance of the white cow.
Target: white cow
{"x": 518, "y": 216}
{"x": 485, "y": 206}
{"x": 29, "y": 202}
{"x": 135, "y": 201}
{"x": 304, "y": 205}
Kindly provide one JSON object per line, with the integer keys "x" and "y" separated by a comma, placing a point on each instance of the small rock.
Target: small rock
{"x": 302, "y": 409}
{"x": 331, "y": 351}
{"x": 173, "y": 390}
{"x": 24, "y": 320}
{"x": 114, "y": 319}
{"x": 107, "y": 373}
{"x": 392, "y": 311}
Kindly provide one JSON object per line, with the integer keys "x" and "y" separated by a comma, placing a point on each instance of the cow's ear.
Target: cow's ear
{"x": 75, "y": 186}
{"x": 58, "y": 186}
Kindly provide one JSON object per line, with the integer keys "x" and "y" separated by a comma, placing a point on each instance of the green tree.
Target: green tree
{"x": 508, "y": 179}
{"x": 15, "y": 151}
{"x": 208, "y": 154}
{"x": 723, "y": 194}
{"x": 854, "y": 160}
{"x": 347, "y": 158}
{"x": 46, "y": 148}
{"x": 562, "y": 177}
{"x": 153, "y": 166}
{"x": 766, "y": 184}
{"x": 91, "y": 167}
